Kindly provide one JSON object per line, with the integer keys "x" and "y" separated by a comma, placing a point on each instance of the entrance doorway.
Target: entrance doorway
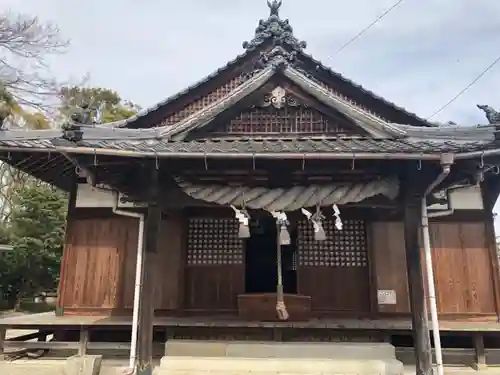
{"x": 261, "y": 258}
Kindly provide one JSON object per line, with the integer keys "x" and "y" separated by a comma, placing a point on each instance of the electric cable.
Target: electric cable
{"x": 461, "y": 92}
{"x": 363, "y": 31}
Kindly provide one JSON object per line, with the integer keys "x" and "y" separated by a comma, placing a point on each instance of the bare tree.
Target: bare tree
{"x": 28, "y": 90}
{"x": 25, "y": 44}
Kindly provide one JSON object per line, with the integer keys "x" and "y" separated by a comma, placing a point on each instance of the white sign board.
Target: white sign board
{"x": 386, "y": 297}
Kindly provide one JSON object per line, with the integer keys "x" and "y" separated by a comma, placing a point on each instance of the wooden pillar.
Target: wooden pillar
{"x": 489, "y": 191}
{"x": 420, "y": 324}
{"x": 144, "y": 364}
{"x": 480, "y": 354}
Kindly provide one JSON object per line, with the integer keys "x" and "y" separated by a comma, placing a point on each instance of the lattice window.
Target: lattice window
{"x": 214, "y": 241}
{"x": 345, "y": 248}
{"x": 203, "y": 102}
{"x": 286, "y": 120}
{"x": 294, "y": 261}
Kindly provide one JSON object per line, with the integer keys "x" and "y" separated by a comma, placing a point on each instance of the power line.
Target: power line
{"x": 355, "y": 37}
{"x": 466, "y": 88}
{"x": 363, "y": 31}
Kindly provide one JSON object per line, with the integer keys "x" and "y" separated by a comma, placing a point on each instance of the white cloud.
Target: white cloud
{"x": 419, "y": 56}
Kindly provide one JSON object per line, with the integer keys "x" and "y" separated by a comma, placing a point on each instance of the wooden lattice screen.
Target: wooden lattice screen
{"x": 214, "y": 242}
{"x": 344, "y": 248}
{"x": 288, "y": 120}
{"x": 229, "y": 86}
{"x": 203, "y": 102}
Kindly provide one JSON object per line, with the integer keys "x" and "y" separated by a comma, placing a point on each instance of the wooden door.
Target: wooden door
{"x": 335, "y": 272}
{"x": 463, "y": 273}
{"x": 215, "y": 271}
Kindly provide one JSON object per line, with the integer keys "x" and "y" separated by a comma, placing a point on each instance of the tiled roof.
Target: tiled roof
{"x": 28, "y": 143}
{"x": 459, "y": 140}
{"x": 297, "y": 145}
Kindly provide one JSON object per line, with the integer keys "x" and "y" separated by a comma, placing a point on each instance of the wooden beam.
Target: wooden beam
{"x": 40, "y": 336}
{"x": 144, "y": 364}
{"x": 420, "y": 324}
{"x": 65, "y": 345}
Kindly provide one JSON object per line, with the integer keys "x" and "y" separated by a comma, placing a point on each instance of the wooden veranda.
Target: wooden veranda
{"x": 473, "y": 343}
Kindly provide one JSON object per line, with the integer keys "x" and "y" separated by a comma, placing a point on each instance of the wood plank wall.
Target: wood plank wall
{"x": 389, "y": 263}
{"x": 99, "y": 264}
{"x": 461, "y": 262}
{"x": 94, "y": 255}
{"x": 100, "y": 254}
{"x": 213, "y": 289}
{"x": 464, "y": 279}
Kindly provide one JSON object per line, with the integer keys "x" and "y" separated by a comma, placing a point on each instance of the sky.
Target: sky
{"x": 419, "y": 56}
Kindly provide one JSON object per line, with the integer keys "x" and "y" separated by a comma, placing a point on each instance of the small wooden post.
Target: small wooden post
{"x": 277, "y": 334}
{"x": 84, "y": 341}
{"x": 3, "y": 332}
{"x": 420, "y": 324}
{"x": 144, "y": 364}
{"x": 480, "y": 357}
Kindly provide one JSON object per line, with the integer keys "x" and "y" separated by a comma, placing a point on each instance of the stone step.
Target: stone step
{"x": 259, "y": 366}
{"x": 257, "y": 349}
{"x": 183, "y": 357}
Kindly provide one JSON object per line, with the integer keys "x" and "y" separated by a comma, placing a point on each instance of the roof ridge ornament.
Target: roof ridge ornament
{"x": 81, "y": 117}
{"x": 492, "y": 115}
{"x": 274, "y": 29}
{"x": 278, "y": 57}
{"x": 274, "y": 7}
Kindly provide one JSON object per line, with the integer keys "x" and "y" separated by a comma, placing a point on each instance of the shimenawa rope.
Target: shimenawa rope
{"x": 289, "y": 199}
{"x": 293, "y": 198}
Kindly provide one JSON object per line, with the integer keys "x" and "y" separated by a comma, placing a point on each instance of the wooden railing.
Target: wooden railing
{"x": 81, "y": 347}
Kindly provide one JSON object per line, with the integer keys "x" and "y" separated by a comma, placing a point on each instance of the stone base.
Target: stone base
{"x": 217, "y": 357}
{"x": 86, "y": 365}
{"x": 32, "y": 367}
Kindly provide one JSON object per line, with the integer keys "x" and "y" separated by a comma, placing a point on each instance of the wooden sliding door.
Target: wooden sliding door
{"x": 214, "y": 265}
{"x": 335, "y": 272}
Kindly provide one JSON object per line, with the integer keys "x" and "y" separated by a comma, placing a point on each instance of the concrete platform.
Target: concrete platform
{"x": 117, "y": 366}
{"x": 218, "y": 357}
